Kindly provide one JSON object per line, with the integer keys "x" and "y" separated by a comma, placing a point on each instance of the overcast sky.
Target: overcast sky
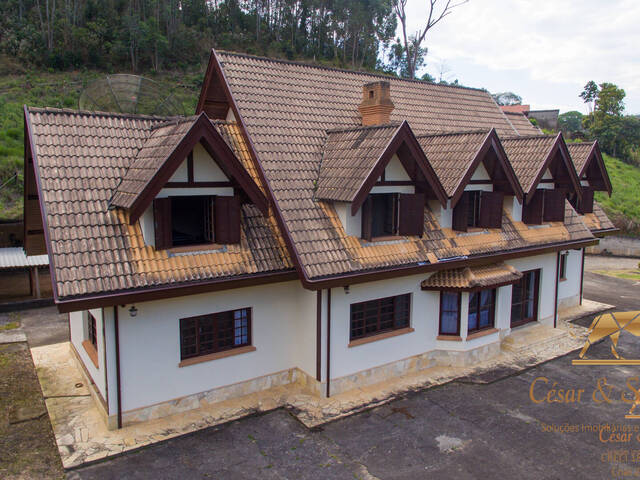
{"x": 545, "y": 51}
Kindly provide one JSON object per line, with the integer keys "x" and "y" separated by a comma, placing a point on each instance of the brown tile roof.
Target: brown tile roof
{"x": 527, "y": 156}
{"x": 81, "y": 159}
{"x": 349, "y": 157}
{"x": 161, "y": 141}
{"x": 451, "y": 155}
{"x": 580, "y": 153}
{"x": 522, "y": 124}
{"x": 515, "y": 108}
{"x": 469, "y": 278}
{"x": 287, "y": 109}
{"x": 598, "y": 220}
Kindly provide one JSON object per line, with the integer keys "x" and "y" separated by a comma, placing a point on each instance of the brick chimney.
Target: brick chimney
{"x": 376, "y": 105}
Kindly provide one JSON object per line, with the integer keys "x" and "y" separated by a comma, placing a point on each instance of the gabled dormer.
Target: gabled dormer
{"x": 187, "y": 187}
{"x": 476, "y": 175}
{"x": 378, "y": 179}
{"x": 544, "y": 168}
{"x": 591, "y": 171}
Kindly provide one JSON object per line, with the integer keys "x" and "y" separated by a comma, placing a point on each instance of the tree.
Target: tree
{"x": 570, "y": 123}
{"x": 606, "y": 122}
{"x": 412, "y": 43}
{"x": 507, "y": 98}
{"x": 589, "y": 94}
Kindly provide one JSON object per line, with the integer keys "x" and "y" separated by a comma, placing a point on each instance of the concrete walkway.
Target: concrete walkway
{"x": 82, "y": 436}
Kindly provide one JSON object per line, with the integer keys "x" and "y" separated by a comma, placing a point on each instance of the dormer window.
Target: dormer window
{"x": 196, "y": 220}
{"x": 545, "y": 206}
{"x": 473, "y": 208}
{"x": 478, "y": 209}
{"x": 384, "y": 214}
{"x": 392, "y": 214}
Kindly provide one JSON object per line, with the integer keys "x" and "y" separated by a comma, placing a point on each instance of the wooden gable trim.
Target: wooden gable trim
{"x": 202, "y": 131}
{"x": 28, "y": 138}
{"x": 559, "y": 145}
{"x": 490, "y": 141}
{"x": 403, "y": 135}
{"x": 596, "y": 155}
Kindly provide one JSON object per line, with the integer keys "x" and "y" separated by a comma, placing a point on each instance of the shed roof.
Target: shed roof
{"x": 15, "y": 257}
{"x": 471, "y": 278}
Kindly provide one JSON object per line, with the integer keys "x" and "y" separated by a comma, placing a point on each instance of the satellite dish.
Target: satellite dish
{"x": 124, "y": 93}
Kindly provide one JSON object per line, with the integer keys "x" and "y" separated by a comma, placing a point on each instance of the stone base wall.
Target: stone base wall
{"x": 569, "y": 302}
{"x": 203, "y": 399}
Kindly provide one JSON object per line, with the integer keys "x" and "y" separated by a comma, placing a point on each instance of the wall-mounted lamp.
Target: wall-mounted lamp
{"x": 346, "y": 290}
{"x": 133, "y": 311}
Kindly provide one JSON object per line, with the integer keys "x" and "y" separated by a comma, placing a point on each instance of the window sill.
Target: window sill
{"x": 449, "y": 338}
{"x": 380, "y": 336}
{"x": 215, "y": 356}
{"x": 195, "y": 248}
{"x": 563, "y": 279}
{"x": 91, "y": 351}
{"x": 482, "y": 333}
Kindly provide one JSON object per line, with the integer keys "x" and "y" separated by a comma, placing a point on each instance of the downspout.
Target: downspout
{"x": 582, "y": 275}
{"x": 319, "y": 335}
{"x": 328, "y": 342}
{"x": 555, "y": 303}
{"x": 116, "y": 327}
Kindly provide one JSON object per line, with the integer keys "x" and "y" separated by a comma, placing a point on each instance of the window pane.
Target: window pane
{"x": 485, "y": 318}
{"x": 368, "y": 318}
{"x": 449, "y": 323}
{"x": 486, "y": 297}
{"x": 450, "y": 301}
{"x": 473, "y": 320}
{"x": 516, "y": 313}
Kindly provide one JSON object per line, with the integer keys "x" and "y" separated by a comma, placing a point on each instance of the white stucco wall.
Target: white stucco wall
{"x": 78, "y": 331}
{"x": 394, "y": 171}
{"x": 283, "y": 332}
{"x": 352, "y": 224}
{"x": 570, "y": 288}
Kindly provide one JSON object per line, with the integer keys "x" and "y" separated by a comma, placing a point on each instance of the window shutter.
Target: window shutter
{"x": 554, "y": 205}
{"x": 460, "y": 213}
{"x": 411, "y": 214}
{"x": 532, "y": 212}
{"x": 366, "y": 219}
{"x": 587, "y": 200}
{"x": 162, "y": 222}
{"x": 491, "y": 209}
{"x": 209, "y": 219}
{"x": 227, "y": 219}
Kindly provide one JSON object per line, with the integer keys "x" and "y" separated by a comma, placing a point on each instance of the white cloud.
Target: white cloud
{"x": 553, "y": 42}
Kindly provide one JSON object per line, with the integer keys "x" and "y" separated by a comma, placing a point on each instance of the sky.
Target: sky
{"x": 545, "y": 50}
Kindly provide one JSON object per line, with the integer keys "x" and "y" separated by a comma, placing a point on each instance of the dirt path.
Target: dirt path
{"x": 26, "y": 439}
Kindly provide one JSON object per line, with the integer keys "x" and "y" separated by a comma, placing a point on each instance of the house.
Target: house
{"x": 312, "y": 225}
{"x": 547, "y": 119}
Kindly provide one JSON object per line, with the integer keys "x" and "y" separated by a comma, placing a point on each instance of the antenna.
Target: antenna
{"x": 125, "y": 93}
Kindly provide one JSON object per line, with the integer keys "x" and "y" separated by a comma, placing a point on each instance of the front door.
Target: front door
{"x": 524, "y": 298}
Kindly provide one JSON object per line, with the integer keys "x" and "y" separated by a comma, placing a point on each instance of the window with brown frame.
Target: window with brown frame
{"x": 449, "y": 313}
{"x": 391, "y": 214}
{"x": 381, "y": 315}
{"x": 481, "y": 310}
{"x": 477, "y": 208}
{"x": 545, "y": 206}
{"x": 214, "y": 332}
{"x": 524, "y": 298}
{"x": 563, "y": 265}
{"x": 92, "y": 336}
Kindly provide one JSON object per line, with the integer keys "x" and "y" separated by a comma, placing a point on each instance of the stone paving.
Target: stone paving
{"x": 82, "y": 435}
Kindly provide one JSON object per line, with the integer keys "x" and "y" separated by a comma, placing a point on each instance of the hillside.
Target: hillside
{"x": 59, "y": 90}
{"x": 624, "y": 206}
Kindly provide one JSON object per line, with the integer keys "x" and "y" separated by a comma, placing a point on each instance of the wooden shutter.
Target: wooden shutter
{"x": 491, "y": 209}
{"x": 586, "y": 206}
{"x": 554, "y": 205}
{"x": 209, "y": 218}
{"x": 162, "y": 221}
{"x": 227, "y": 219}
{"x": 367, "y": 218}
{"x": 460, "y": 213}
{"x": 532, "y": 212}
{"x": 411, "y": 214}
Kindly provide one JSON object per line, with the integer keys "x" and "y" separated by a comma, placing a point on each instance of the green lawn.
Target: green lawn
{"x": 624, "y": 205}
{"x": 60, "y": 90}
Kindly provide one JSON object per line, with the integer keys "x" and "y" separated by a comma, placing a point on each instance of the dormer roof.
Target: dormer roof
{"x": 355, "y": 158}
{"x": 455, "y": 157}
{"x": 162, "y": 153}
{"x": 587, "y": 158}
{"x": 531, "y": 155}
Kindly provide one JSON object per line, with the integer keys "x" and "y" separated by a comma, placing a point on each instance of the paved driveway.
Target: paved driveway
{"x": 460, "y": 430}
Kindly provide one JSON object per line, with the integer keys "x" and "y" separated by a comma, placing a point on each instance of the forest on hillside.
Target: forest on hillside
{"x": 154, "y": 35}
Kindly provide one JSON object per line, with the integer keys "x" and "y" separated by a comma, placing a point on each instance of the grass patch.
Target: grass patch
{"x": 623, "y": 207}
{"x": 9, "y": 326}
{"x": 626, "y": 274}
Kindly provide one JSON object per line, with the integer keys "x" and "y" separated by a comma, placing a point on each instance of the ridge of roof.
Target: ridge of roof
{"x": 346, "y": 70}
{"x": 528, "y": 137}
{"x": 365, "y": 127}
{"x": 461, "y": 132}
{"x": 174, "y": 122}
{"x": 89, "y": 113}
